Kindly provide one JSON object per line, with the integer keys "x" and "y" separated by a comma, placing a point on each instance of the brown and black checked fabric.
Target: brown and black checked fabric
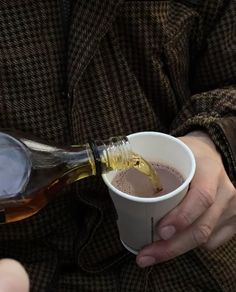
{"x": 33, "y": 69}
{"x": 127, "y": 66}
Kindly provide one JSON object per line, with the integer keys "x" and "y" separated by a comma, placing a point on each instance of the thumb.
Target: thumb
{"x": 13, "y": 277}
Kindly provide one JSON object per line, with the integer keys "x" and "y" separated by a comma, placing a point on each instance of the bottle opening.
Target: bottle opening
{"x": 111, "y": 154}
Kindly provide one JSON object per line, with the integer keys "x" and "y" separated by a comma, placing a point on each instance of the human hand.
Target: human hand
{"x": 13, "y": 277}
{"x": 207, "y": 215}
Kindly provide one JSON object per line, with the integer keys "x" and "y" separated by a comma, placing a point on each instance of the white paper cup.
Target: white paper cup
{"x": 137, "y": 216}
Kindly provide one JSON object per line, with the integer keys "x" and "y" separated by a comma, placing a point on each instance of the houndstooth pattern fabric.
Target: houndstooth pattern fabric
{"x": 109, "y": 68}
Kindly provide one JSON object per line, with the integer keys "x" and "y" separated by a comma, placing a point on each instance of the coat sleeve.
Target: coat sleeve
{"x": 212, "y": 105}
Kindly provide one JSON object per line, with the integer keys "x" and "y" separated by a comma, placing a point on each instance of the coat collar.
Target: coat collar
{"x": 90, "y": 21}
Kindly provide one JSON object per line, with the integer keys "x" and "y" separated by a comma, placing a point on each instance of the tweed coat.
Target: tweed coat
{"x": 99, "y": 68}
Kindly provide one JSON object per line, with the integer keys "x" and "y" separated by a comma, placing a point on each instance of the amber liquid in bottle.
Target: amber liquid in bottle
{"x": 32, "y": 173}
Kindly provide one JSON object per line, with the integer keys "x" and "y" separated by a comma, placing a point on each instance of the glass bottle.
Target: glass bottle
{"x": 32, "y": 173}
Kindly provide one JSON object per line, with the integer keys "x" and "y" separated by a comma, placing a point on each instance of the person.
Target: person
{"x": 13, "y": 277}
{"x": 72, "y": 71}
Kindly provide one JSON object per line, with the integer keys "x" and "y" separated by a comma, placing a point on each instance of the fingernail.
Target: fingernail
{"x": 167, "y": 232}
{"x": 146, "y": 261}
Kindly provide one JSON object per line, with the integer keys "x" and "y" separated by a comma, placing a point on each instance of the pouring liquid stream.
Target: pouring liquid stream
{"x": 145, "y": 167}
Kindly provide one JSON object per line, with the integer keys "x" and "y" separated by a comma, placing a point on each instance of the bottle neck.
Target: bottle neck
{"x": 112, "y": 154}
{"x": 92, "y": 158}
{"x": 97, "y": 157}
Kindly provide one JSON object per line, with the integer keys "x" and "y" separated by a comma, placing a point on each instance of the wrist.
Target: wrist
{"x": 203, "y": 137}
{"x": 201, "y": 142}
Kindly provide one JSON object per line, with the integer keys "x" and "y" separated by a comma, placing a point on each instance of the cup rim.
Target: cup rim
{"x": 162, "y": 197}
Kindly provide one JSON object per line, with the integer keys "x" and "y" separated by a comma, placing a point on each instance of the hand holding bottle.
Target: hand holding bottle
{"x": 206, "y": 217}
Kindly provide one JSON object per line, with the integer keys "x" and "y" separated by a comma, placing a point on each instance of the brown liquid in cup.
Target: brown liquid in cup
{"x": 133, "y": 182}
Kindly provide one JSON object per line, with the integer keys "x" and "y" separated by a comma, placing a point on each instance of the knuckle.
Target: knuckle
{"x": 185, "y": 219}
{"x": 168, "y": 254}
{"x": 206, "y": 197}
{"x": 230, "y": 196}
{"x": 201, "y": 234}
